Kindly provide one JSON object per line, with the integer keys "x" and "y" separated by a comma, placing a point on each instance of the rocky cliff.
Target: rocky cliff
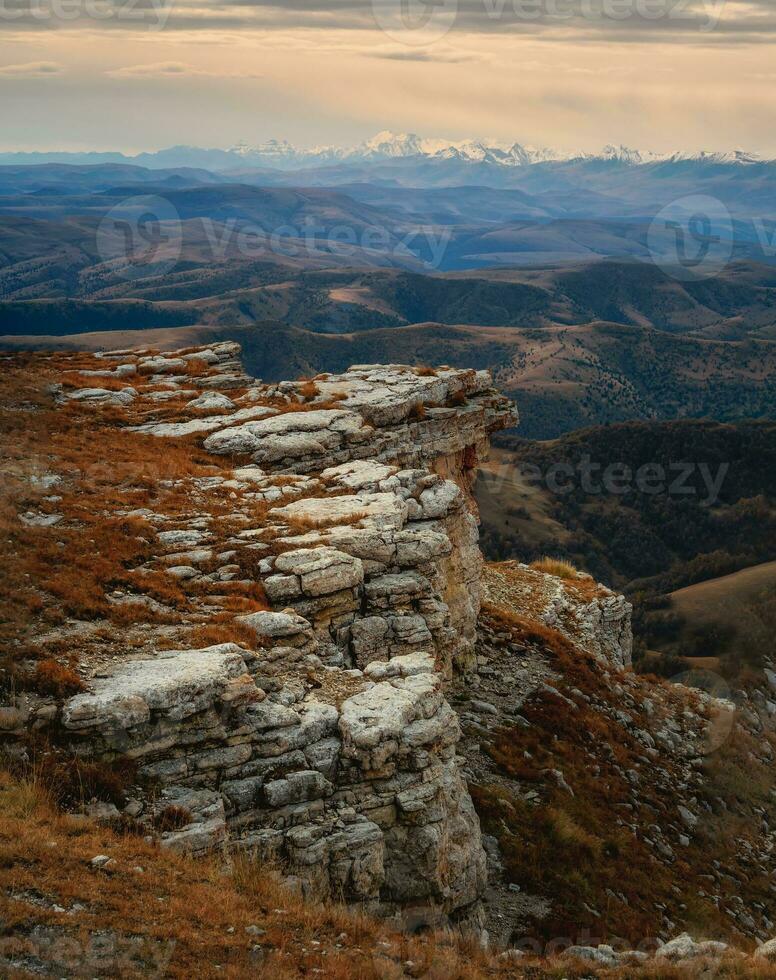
{"x": 323, "y": 740}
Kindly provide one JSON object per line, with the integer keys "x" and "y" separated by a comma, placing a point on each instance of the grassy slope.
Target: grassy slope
{"x": 724, "y": 598}
{"x": 590, "y": 848}
{"x": 152, "y": 913}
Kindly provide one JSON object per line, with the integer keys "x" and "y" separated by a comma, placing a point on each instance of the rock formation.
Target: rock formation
{"x": 324, "y": 740}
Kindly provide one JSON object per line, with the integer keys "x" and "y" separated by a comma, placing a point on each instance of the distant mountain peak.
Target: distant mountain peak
{"x": 388, "y": 145}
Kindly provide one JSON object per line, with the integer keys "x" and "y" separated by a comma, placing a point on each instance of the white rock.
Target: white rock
{"x": 684, "y": 947}
{"x": 359, "y": 473}
{"x": 404, "y": 666}
{"x": 103, "y": 397}
{"x": 688, "y": 817}
{"x": 322, "y": 571}
{"x": 179, "y": 684}
{"x": 436, "y": 501}
{"x": 767, "y": 951}
{"x": 162, "y": 365}
{"x": 182, "y": 538}
{"x": 383, "y": 510}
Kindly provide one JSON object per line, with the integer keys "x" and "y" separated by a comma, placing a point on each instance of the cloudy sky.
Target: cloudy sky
{"x": 143, "y": 74}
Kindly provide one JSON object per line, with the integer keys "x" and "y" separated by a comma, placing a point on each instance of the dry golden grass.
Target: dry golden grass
{"x": 299, "y": 525}
{"x": 55, "y": 679}
{"x": 197, "y": 368}
{"x": 309, "y": 390}
{"x": 221, "y": 629}
{"x": 194, "y": 914}
{"x": 185, "y": 917}
{"x": 68, "y": 571}
{"x": 555, "y": 566}
{"x": 72, "y": 379}
{"x": 172, "y": 818}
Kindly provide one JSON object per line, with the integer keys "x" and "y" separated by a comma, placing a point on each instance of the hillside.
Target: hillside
{"x": 260, "y": 642}
{"x": 722, "y": 599}
{"x": 652, "y": 541}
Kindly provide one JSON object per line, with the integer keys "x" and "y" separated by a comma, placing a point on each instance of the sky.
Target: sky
{"x": 135, "y": 75}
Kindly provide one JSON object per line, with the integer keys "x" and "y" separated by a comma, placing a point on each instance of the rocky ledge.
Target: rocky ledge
{"x": 593, "y": 617}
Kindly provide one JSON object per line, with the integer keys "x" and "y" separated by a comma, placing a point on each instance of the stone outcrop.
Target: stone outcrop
{"x": 589, "y": 614}
{"x": 324, "y": 740}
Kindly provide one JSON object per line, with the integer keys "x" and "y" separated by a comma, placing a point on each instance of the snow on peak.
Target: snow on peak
{"x": 388, "y": 146}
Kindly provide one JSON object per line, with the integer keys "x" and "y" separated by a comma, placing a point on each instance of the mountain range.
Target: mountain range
{"x": 384, "y": 146}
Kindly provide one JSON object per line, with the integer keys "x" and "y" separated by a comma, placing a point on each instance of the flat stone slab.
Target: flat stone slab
{"x": 384, "y": 510}
{"x": 179, "y": 683}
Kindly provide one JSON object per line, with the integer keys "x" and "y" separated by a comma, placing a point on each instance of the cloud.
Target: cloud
{"x": 647, "y": 21}
{"x": 160, "y": 69}
{"x": 435, "y": 56}
{"x": 33, "y": 69}
{"x": 174, "y": 69}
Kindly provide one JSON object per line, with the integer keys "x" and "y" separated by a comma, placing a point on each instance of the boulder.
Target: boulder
{"x": 766, "y": 952}
{"x": 321, "y": 571}
{"x": 211, "y": 401}
{"x": 684, "y": 947}
{"x": 285, "y": 628}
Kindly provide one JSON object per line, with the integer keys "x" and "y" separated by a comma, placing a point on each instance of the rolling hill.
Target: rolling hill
{"x": 312, "y": 278}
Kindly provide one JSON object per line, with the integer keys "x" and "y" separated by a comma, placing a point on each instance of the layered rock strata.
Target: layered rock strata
{"x": 324, "y": 740}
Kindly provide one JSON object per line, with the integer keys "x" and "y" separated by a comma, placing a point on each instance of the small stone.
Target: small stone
{"x": 511, "y": 955}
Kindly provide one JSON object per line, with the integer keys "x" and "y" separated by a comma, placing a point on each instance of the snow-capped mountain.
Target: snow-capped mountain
{"x": 279, "y": 150}
{"x": 387, "y": 146}
{"x": 395, "y": 146}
